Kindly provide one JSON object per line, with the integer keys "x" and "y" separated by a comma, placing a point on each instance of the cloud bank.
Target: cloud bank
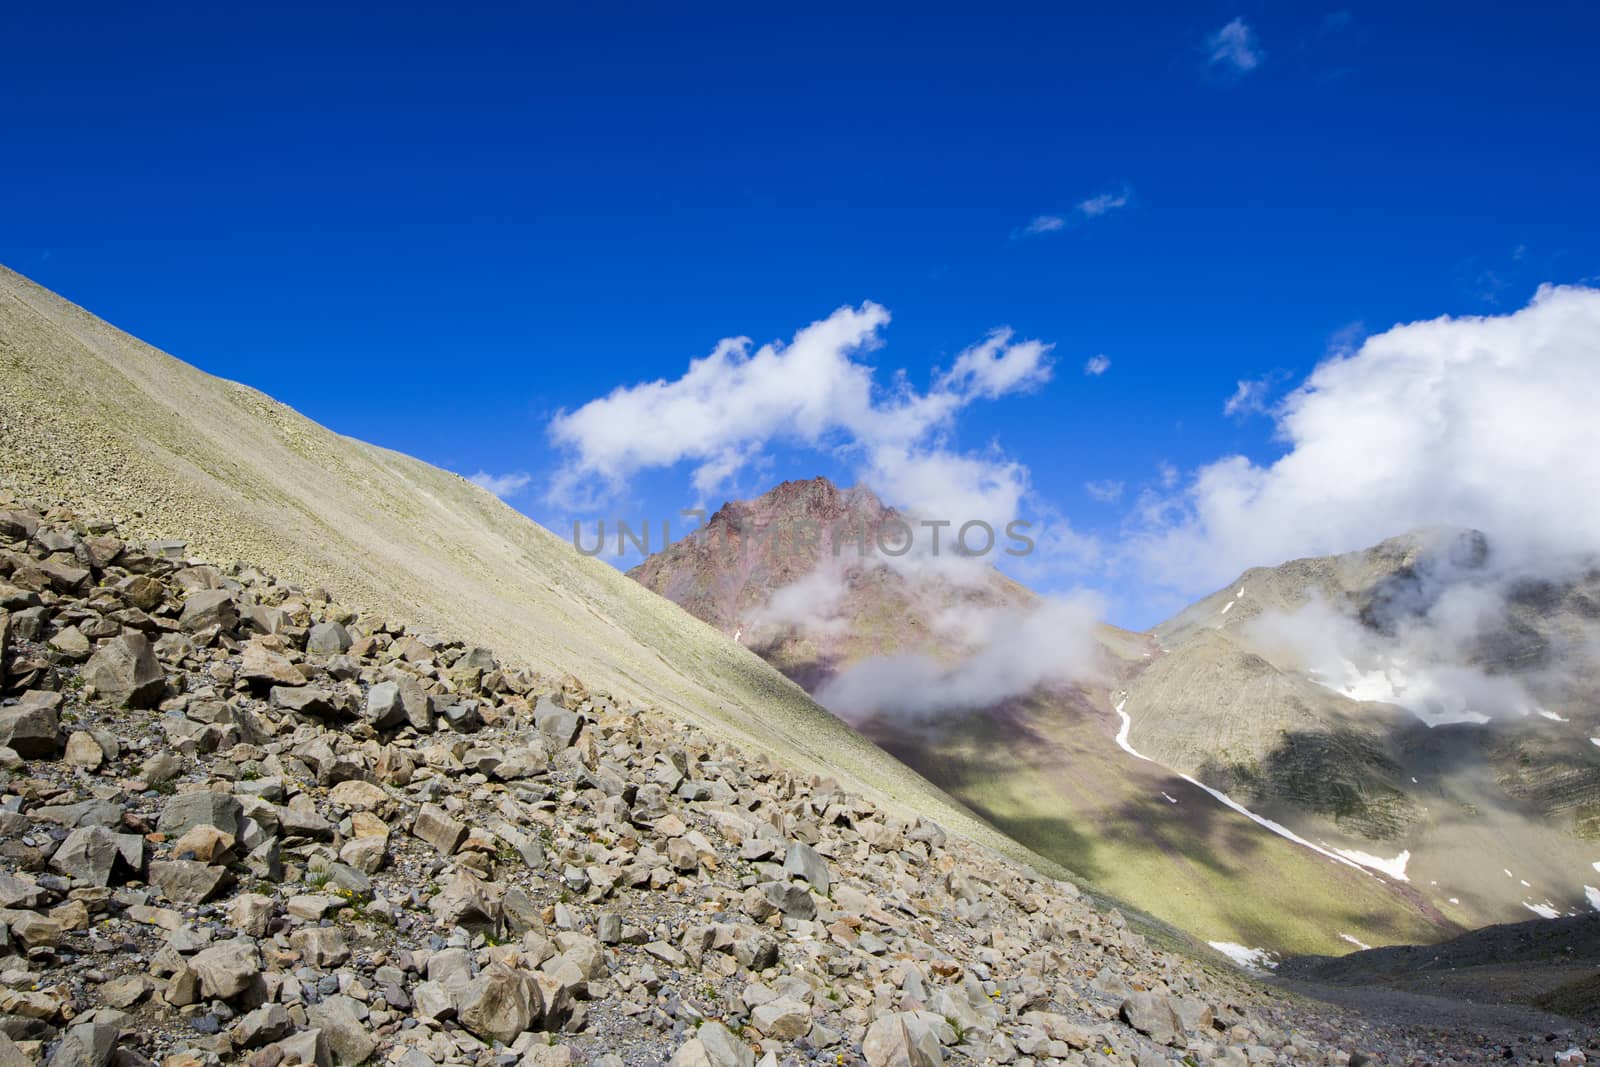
{"x": 817, "y": 391}
{"x": 1482, "y": 422}
{"x": 1015, "y": 652}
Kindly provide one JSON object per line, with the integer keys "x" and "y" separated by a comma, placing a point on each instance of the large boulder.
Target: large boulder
{"x": 90, "y": 854}
{"x": 438, "y": 829}
{"x": 713, "y": 1045}
{"x": 187, "y": 881}
{"x": 328, "y": 639}
{"x": 207, "y": 608}
{"x": 32, "y": 729}
{"x": 1154, "y": 1016}
{"x": 803, "y": 862}
{"x": 499, "y": 1004}
{"x": 340, "y": 1019}
{"x": 385, "y": 709}
{"x": 228, "y": 969}
{"x": 902, "y": 1039}
{"x": 126, "y": 672}
{"x": 203, "y": 807}
{"x": 558, "y": 726}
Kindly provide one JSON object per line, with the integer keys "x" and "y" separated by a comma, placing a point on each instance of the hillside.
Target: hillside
{"x": 91, "y": 415}
{"x": 1413, "y": 702}
{"x": 1044, "y": 764}
{"x": 244, "y": 823}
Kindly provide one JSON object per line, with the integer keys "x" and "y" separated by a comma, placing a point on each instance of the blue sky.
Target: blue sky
{"x": 436, "y": 233}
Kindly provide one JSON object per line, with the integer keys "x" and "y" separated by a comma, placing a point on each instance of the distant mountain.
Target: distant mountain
{"x": 1044, "y": 763}
{"x": 1421, "y": 698}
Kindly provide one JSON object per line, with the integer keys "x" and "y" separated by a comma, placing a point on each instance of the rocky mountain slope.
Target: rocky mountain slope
{"x": 1411, "y": 703}
{"x": 92, "y": 415}
{"x": 245, "y": 823}
{"x": 1544, "y": 963}
{"x": 1044, "y": 765}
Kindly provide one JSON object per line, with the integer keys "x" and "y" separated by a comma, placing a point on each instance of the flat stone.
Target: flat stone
{"x": 203, "y": 807}
{"x": 437, "y": 828}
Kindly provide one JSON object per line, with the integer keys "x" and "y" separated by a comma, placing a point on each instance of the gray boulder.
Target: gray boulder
{"x": 201, "y": 808}
{"x": 499, "y": 1004}
{"x": 125, "y": 671}
{"x": 328, "y": 639}
{"x": 803, "y": 862}
{"x": 207, "y": 608}
{"x": 32, "y": 730}
{"x": 90, "y": 854}
{"x": 1154, "y": 1016}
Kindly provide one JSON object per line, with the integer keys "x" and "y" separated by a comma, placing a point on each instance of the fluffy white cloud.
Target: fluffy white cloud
{"x": 1097, "y": 365}
{"x": 995, "y": 366}
{"x": 501, "y": 485}
{"x": 813, "y": 392}
{"x": 1483, "y": 422}
{"x": 1235, "y": 47}
{"x": 1015, "y": 651}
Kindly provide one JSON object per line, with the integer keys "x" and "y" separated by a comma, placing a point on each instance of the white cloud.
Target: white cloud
{"x": 1015, "y": 652}
{"x": 1235, "y": 47}
{"x": 1104, "y": 491}
{"x": 1097, "y": 365}
{"x": 1250, "y": 398}
{"x": 814, "y": 392}
{"x": 1422, "y": 664}
{"x": 1096, "y": 206}
{"x": 1091, "y": 208}
{"x": 503, "y": 486}
{"x": 995, "y": 366}
{"x": 1485, "y": 422}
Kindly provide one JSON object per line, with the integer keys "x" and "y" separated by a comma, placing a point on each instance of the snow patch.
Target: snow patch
{"x": 1455, "y": 900}
{"x": 1122, "y": 734}
{"x": 1170, "y": 799}
{"x": 1544, "y": 911}
{"x": 1357, "y": 943}
{"x": 1395, "y": 868}
{"x": 1552, "y": 716}
{"x": 1228, "y": 606}
{"x": 1251, "y": 959}
{"x": 1592, "y": 895}
{"x": 1265, "y": 823}
{"x": 1427, "y": 694}
{"x": 1595, "y": 741}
